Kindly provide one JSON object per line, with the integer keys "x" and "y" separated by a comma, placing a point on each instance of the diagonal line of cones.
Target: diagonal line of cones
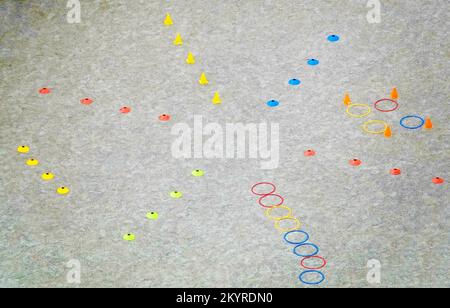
{"x": 190, "y": 59}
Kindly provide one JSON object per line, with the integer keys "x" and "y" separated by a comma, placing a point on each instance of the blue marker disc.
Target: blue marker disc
{"x": 294, "y": 82}
{"x": 333, "y": 38}
{"x": 273, "y": 103}
{"x": 313, "y": 62}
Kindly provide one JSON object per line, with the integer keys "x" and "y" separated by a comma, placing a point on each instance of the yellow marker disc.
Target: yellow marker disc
{"x": 198, "y": 173}
{"x": 23, "y": 149}
{"x": 176, "y": 194}
{"x": 349, "y": 108}
{"x": 32, "y": 162}
{"x": 129, "y": 237}
{"x": 279, "y": 228}
{"x": 47, "y": 176}
{"x": 366, "y": 125}
{"x": 269, "y": 211}
{"x": 152, "y": 215}
{"x": 63, "y": 190}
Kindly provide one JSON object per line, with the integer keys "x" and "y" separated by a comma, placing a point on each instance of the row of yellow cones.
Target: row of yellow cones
{"x": 190, "y": 59}
{"x": 394, "y": 96}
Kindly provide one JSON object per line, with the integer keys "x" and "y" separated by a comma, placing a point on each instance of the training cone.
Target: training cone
{"x": 216, "y": 99}
{"x": 394, "y": 94}
{"x": 203, "y": 80}
{"x": 178, "y": 40}
{"x": 347, "y": 100}
{"x": 428, "y": 123}
{"x": 168, "y": 20}
{"x": 388, "y": 132}
{"x": 190, "y": 58}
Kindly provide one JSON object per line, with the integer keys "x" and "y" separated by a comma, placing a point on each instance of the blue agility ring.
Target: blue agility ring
{"x": 300, "y": 277}
{"x": 296, "y": 231}
{"x": 422, "y": 122}
{"x": 306, "y": 244}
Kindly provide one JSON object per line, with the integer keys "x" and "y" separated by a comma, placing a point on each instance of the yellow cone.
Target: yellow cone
{"x": 178, "y": 40}
{"x": 190, "y": 58}
{"x": 203, "y": 80}
{"x": 168, "y": 20}
{"x": 216, "y": 99}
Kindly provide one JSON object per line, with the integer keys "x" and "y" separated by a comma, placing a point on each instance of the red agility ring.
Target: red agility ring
{"x": 324, "y": 263}
{"x": 386, "y": 100}
{"x": 263, "y": 183}
{"x": 270, "y": 206}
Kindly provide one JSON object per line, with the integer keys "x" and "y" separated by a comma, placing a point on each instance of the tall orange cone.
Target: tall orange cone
{"x": 347, "y": 100}
{"x": 388, "y": 132}
{"x": 394, "y": 94}
{"x": 428, "y": 123}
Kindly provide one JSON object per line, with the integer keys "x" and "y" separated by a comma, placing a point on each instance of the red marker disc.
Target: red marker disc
{"x": 355, "y": 162}
{"x": 164, "y": 117}
{"x": 396, "y": 171}
{"x": 86, "y": 101}
{"x": 310, "y": 153}
{"x": 125, "y": 110}
{"x": 44, "y": 91}
{"x": 438, "y": 181}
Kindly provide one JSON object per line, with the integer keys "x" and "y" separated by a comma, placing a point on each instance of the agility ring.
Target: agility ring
{"x": 296, "y": 231}
{"x": 367, "y": 130}
{"x": 303, "y": 245}
{"x": 263, "y": 183}
{"x": 397, "y": 105}
{"x": 297, "y": 224}
{"x": 402, "y": 122}
{"x": 289, "y": 214}
{"x": 349, "y": 108}
{"x": 324, "y": 262}
{"x": 270, "y": 206}
{"x": 309, "y": 272}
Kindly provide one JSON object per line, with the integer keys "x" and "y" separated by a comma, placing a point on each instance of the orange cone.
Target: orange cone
{"x": 347, "y": 100}
{"x": 394, "y": 94}
{"x": 388, "y": 132}
{"x": 428, "y": 123}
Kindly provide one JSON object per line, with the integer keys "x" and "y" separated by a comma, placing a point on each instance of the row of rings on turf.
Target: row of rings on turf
{"x": 365, "y": 126}
{"x": 289, "y": 231}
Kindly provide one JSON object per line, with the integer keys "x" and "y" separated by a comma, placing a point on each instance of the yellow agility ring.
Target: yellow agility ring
{"x": 269, "y": 211}
{"x": 349, "y": 108}
{"x": 297, "y": 224}
{"x": 367, "y": 130}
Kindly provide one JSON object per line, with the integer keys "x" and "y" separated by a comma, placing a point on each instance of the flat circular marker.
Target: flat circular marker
{"x": 32, "y": 162}
{"x": 313, "y": 62}
{"x": 438, "y": 181}
{"x": 273, "y": 103}
{"x": 294, "y": 82}
{"x": 47, "y": 176}
{"x": 152, "y": 215}
{"x": 355, "y": 162}
{"x": 129, "y": 237}
{"x": 44, "y": 91}
{"x": 86, "y": 101}
{"x": 125, "y": 110}
{"x": 63, "y": 190}
{"x": 176, "y": 194}
{"x": 198, "y": 173}
{"x": 396, "y": 171}
{"x": 164, "y": 117}
{"x": 310, "y": 153}
{"x": 23, "y": 149}
{"x": 333, "y": 38}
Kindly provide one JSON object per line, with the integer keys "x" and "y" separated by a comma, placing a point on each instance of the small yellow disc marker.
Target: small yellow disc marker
{"x": 32, "y": 162}
{"x": 176, "y": 194}
{"x": 23, "y": 149}
{"x": 129, "y": 237}
{"x": 152, "y": 215}
{"x": 47, "y": 176}
{"x": 63, "y": 190}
